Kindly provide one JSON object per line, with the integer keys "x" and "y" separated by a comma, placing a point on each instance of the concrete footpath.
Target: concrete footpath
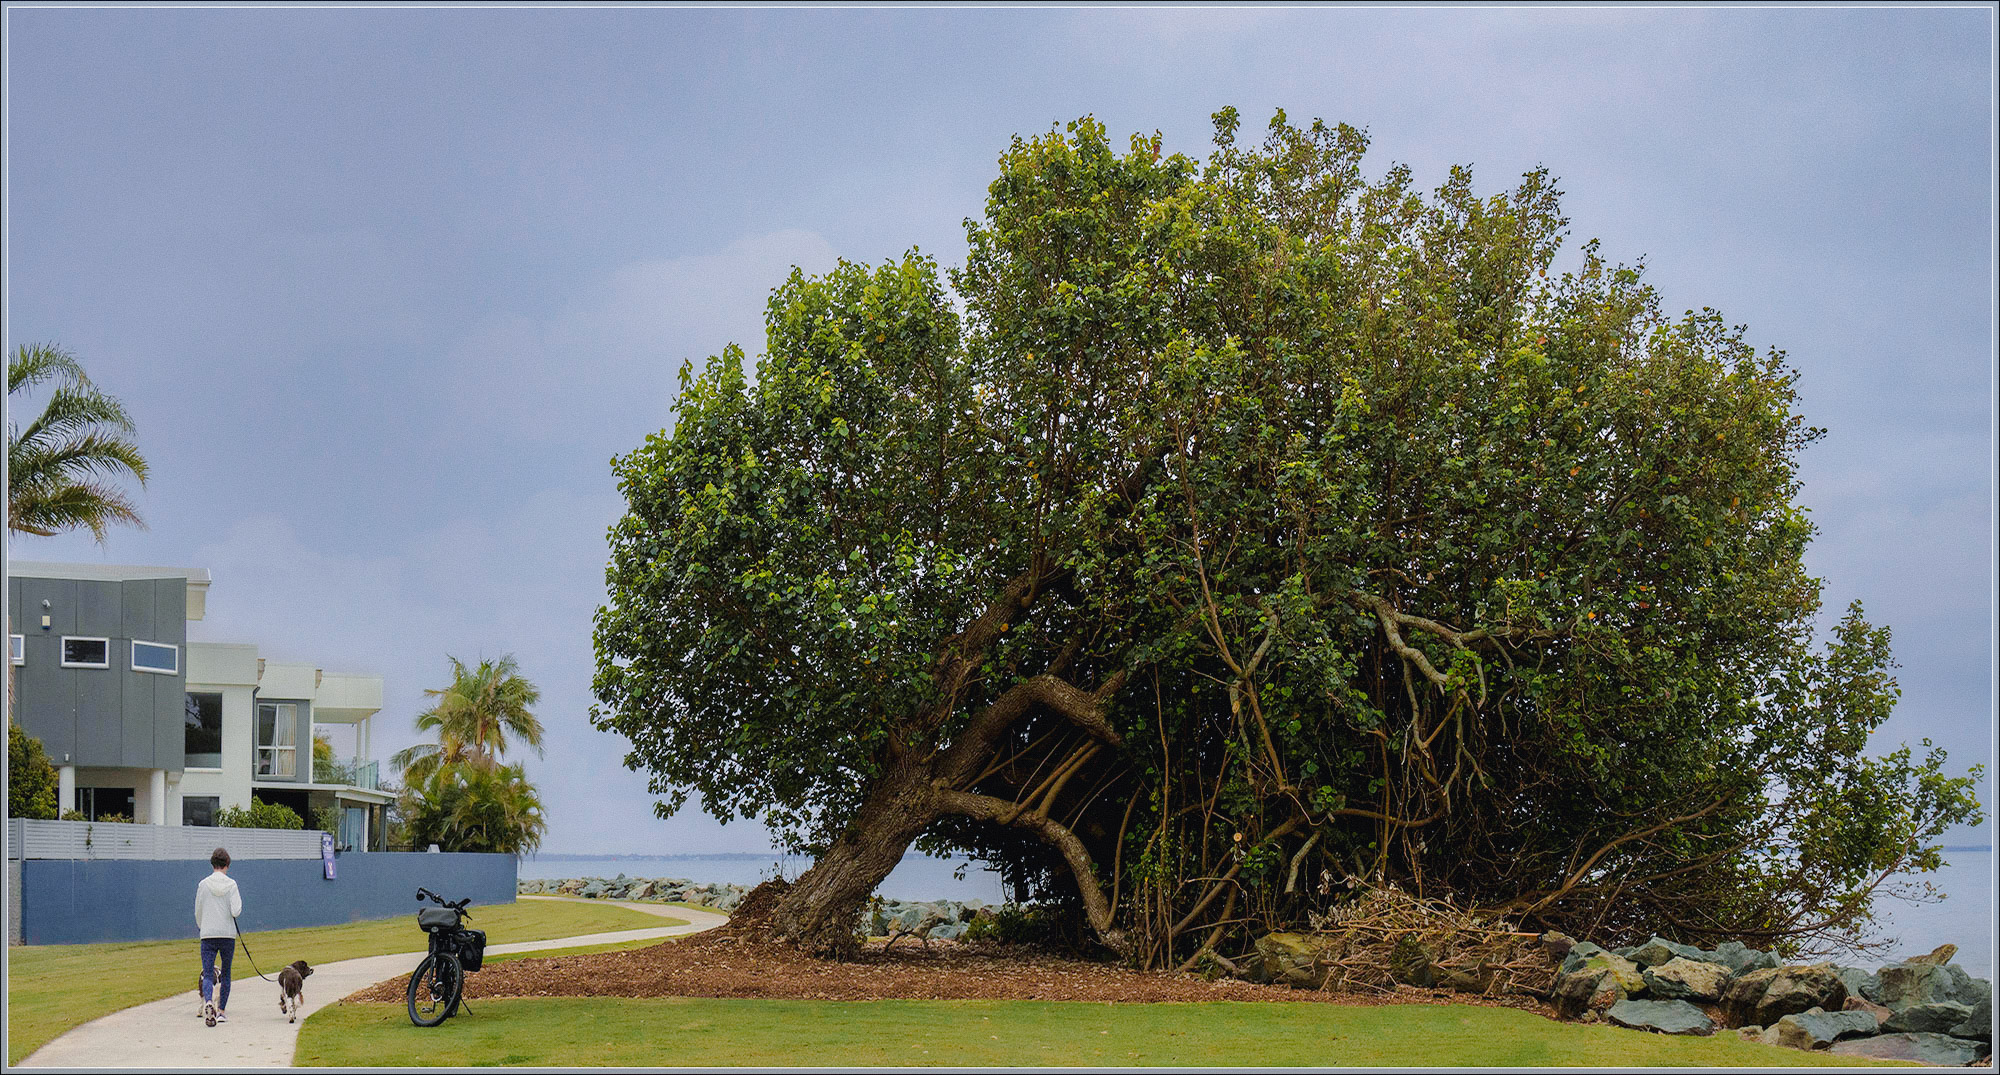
{"x": 168, "y": 1033}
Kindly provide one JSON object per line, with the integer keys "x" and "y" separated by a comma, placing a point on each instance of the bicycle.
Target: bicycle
{"x": 437, "y": 987}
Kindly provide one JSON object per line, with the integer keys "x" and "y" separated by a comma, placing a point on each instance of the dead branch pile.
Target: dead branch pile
{"x": 1386, "y": 938}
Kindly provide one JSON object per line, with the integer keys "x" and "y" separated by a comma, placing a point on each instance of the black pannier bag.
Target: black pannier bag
{"x": 471, "y": 946}
{"x": 432, "y": 919}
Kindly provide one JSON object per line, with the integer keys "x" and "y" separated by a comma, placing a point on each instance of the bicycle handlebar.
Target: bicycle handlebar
{"x": 457, "y": 905}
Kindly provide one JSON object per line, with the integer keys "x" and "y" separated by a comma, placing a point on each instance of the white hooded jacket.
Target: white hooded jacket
{"x": 216, "y": 905}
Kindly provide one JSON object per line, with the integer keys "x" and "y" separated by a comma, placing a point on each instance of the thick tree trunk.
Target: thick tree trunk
{"x": 819, "y": 911}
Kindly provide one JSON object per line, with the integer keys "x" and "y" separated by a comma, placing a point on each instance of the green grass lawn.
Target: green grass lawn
{"x": 693, "y": 1032}
{"x": 53, "y": 987}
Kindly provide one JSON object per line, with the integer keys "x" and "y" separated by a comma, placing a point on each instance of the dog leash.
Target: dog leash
{"x": 246, "y": 950}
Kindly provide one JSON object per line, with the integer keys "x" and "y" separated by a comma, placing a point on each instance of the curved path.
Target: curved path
{"x": 167, "y": 1034}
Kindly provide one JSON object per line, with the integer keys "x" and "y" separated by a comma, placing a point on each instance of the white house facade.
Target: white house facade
{"x": 142, "y": 723}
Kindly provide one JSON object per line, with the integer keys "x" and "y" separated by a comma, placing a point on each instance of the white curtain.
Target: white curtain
{"x": 285, "y": 734}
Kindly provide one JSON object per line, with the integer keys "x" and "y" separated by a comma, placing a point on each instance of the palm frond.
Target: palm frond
{"x": 58, "y": 469}
{"x": 35, "y": 363}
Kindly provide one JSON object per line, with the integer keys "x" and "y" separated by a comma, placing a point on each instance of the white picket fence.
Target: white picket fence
{"x": 28, "y": 839}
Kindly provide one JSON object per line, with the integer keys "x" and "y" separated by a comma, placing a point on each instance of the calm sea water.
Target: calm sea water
{"x": 1963, "y": 918}
{"x": 918, "y": 877}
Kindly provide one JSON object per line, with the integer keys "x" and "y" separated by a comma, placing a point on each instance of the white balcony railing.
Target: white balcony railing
{"x": 352, "y": 772}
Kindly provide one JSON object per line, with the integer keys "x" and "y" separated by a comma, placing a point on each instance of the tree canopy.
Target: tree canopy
{"x": 1258, "y": 530}
{"x": 31, "y": 778}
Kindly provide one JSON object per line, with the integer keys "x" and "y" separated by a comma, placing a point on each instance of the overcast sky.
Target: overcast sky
{"x": 386, "y": 289}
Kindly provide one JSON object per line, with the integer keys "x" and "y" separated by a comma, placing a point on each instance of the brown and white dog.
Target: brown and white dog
{"x": 292, "y": 988}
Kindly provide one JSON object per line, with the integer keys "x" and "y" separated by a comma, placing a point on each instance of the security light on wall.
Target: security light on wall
{"x": 45, "y": 613}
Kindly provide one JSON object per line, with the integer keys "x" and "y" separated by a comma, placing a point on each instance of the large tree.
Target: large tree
{"x": 1259, "y": 527}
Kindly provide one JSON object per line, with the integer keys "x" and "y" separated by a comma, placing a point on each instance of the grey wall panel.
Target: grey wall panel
{"x": 67, "y": 901}
{"x": 137, "y": 599}
{"x": 100, "y": 716}
{"x": 45, "y": 699}
{"x": 100, "y": 610}
{"x": 165, "y": 622}
{"x": 169, "y": 730}
{"x": 135, "y": 733}
{"x": 170, "y": 614}
{"x": 46, "y": 695}
{"x": 61, "y": 596}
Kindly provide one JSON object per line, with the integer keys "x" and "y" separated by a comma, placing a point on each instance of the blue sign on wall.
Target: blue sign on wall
{"x": 326, "y": 852}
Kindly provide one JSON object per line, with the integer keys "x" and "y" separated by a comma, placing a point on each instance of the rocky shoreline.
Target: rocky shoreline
{"x": 1924, "y": 1009}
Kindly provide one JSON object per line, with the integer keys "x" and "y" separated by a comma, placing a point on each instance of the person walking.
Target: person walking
{"x": 216, "y": 905}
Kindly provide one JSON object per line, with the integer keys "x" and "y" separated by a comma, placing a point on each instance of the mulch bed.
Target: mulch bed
{"x": 709, "y": 965}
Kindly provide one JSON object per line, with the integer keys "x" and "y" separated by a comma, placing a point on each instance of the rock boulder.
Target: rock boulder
{"x": 1681, "y": 978}
{"x": 1600, "y": 980}
{"x": 1660, "y": 1016}
{"x": 1293, "y": 959}
{"x": 1765, "y": 996}
{"x": 1741, "y": 959}
{"x": 1941, "y": 1049}
{"x": 1818, "y": 1029}
{"x": 1659, "y": 951}
{"x": 1937, "y": 1017}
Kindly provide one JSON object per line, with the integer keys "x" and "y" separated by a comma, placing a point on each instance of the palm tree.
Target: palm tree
{"x": 61, "y": 469}
{"x": 473, "y": 718}
{"x": 497, "y": 810}
{"x": 475, "y": 808}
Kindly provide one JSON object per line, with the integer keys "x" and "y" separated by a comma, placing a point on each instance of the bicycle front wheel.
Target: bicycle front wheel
{"x": 434, "y": 989}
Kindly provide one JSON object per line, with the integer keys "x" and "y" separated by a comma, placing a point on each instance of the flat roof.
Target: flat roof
{"x": 36, "y": 569}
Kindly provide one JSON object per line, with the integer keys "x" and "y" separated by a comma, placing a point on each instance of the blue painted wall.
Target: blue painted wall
{"x": 66, "y": 901}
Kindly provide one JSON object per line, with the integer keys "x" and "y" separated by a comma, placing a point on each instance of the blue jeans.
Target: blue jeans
{"x": 210, "y": 948}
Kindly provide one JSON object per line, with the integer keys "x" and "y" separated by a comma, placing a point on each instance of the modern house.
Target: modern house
{"x": 142, "y": 723}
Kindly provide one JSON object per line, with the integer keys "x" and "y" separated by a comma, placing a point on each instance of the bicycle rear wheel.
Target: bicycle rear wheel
{"x": 435, "y": 989}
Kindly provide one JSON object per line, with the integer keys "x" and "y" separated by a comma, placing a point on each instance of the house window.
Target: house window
{"x": 17, "y": 648}
{"x": 277, "y": 740}
{"x": 204, "y": 730}
{"x": 96, "y": 804}
{"x": 200, "y": 809}
{"x": 86, "y": 652}
{"x": 156, "y": 657}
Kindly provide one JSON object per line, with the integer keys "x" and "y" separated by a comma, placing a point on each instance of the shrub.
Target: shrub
{"x": 31, "y": 780}
{"x": 260, "y": 815}
{"x": 1017, "y": 925}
